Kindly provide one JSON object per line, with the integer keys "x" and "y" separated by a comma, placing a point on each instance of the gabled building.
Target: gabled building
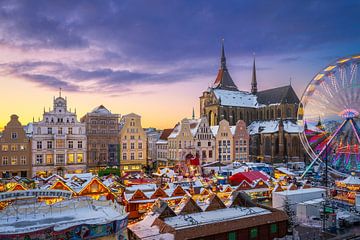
{"x": 59, "y": 142}
{"x": 133, "y": 144}
{"x": 15, "y": 150}
{"x": 225, "y": 101}
{"x": 102, "y": 131}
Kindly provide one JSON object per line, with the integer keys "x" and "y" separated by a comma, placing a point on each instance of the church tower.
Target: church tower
{"x": 223, "y": 80}
{"x": 253, "y": 80}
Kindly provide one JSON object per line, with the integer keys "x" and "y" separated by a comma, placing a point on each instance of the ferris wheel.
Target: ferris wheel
{"x": 329, "y": 116}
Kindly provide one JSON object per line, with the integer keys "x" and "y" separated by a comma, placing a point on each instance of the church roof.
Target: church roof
{"x": 272, "y": 126}
{"x": 223, "y": 79}
{"x": 235, "y": 98}
{"x": 285, "y": 94}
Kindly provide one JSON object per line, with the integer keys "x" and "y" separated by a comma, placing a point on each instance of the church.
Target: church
{"x": 270, "y": 115}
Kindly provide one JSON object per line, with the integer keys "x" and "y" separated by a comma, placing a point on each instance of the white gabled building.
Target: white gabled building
{"x": 59, "y": 142}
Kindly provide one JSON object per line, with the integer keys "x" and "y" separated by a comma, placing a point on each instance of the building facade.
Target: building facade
{"x": 241, "y": 139}
{"x": 15, "y": 150}
{"x": 59, "y": 142}
{"x": 153, "y": 136}
{"x": 102, "y": 131}
{"x": 162, "y": 148}
{"x": 133, "y": 144}
{"x": 204, "y": 142}
{"x": 224, "y": 142}
{"x": 225, "y": 101}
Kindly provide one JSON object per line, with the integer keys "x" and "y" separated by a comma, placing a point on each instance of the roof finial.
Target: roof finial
{"x": 253, "y": 80}
{"x": 290, "y": 80}
{"x": 193, "y": 114}
{"x": 59, "y": 92}
{"x": 223, "y": 58}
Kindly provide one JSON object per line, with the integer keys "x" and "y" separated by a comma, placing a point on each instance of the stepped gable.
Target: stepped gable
{"x": 240, "y": 199}
{"x": 285, "y": 94}
{"x": 187, "y": 206}
{"x": 214, "y": 203}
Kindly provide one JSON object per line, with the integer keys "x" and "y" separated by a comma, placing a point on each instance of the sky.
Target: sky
{"x": 155, "y": 58}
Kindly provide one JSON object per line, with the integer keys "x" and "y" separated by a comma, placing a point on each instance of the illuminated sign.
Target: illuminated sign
{"x": 35, "y": 193}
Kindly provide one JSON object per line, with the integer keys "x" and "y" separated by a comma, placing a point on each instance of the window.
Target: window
{"x": 132, "y": 145}
{"x": 79, "y": 157}
{"x": 49, "y": 145}
{"x": 60, "y": 130}
{"x": 209, "y": 144}
{"x": 60, "y": 143}
{"x": 71, "y": 144}
{"x": 199, "y": 144}
{"x": 5, "y": 160}
{"x": 70, "y": 130}
{"x": 13, "y": 147}
{"x": 132, "y": 157}
{"x": 132, "y": 137}
{"x": 22, "y": 147}
{"x": 13, "y": 160}
{"x": 253, "y": 233}
{"x": 80, "y": 144}
{"x": 273, "y": 228}
{"x": 14, "y": 135}
{"x": 23, "y": 160}
{"x": 70, "y": 158}
{"x": 124, "y": 145}
{"x": 39, "y": 159}
{"x": 232, "y": 236}
{"x": 210, "y": 153}
{"x": 39, "y": 145}
{"x": 60, "y": 158}
{"x": 140, "y": 155}
{"x": 140, "y": 145}
{"x": 5, "y": 148}
{"x": 49, "y": 130}
{"x": 126, "y": 167}
{"x": 49, "y": 158}
{"x": 124, "y": 156}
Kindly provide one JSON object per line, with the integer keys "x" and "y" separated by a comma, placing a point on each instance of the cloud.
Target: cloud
{"x": 49, "y": 82}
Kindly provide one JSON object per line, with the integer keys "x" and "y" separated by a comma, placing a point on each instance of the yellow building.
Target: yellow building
{"x": 132, "y": 140}
{"x": 224, "y": 148}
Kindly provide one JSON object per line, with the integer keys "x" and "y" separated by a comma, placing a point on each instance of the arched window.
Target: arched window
{"x": 267, "y": 114}
{"x": 272, "y": 114}
{"x": 279, "y": 113}
{"x": 267, "y": 146}
{"x": 288, "y": 112}
{"x": 295, "y": 147}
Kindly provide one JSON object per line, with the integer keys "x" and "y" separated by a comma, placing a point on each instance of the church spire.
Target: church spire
{"x": 193, "y": 114}
{"x": 223, "y": 58}
{"x": 253, "y": 80}
{"x": 223, "y": 79}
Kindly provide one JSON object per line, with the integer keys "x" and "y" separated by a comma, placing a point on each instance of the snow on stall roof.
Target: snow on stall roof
{"x": 299, "y": 191}
{"x": 142, "y": 187}
{"x": 351, "y": 180}
{"x": 236, "y": 98}
{"x": 220, "y": 215}
{"x": 286, "y": 171}
{"x": 146, "y": 230}
{"x": 61, "y": 215}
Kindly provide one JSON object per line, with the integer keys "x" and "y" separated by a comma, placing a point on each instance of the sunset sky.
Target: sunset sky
{"x": 155, "y": 58}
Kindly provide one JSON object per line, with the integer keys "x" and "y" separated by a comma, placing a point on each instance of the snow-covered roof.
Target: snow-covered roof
{"x": 286, "y": 171}
{"x": 351, "y": 180}
{"x": 219, "y": 215}
{"x": 142, "y": 187}
{"x": 101, "y": 110}
{"x": 299, "y": 191}
{"x": 236, "y": 98}
{"x": 272, "y": 126}
{"x": 61, "y": 215}
{"x": 194, "y": 125}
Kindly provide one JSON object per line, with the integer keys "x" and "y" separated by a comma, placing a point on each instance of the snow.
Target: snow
{"x": 61, "y": 215}
{"x": 286, "y": 171}
{"x": 101, "y": 110}
{"x": 143, "y": 187}
{"x": 272, "y": 126}
{"x": 236, "y": 98}
{"x": 193, "y": 123}
{"x": 219, "y": 215}
{"x": 351, "y": 180}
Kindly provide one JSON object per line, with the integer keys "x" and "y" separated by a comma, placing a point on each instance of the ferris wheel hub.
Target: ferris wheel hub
{"x": 349, "y": 113}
